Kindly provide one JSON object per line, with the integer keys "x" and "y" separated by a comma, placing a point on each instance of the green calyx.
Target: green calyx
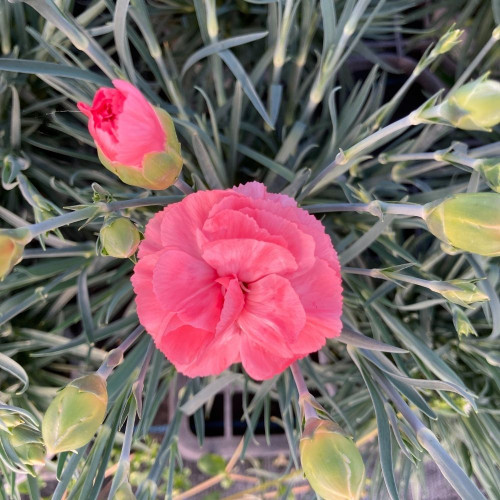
{"x": 75, "y": 414}
{"x": 331, "y": 461}
{"x": 159, "y": 169}
{"x": 119, "y": 238}
{"x": 468, "y": 221}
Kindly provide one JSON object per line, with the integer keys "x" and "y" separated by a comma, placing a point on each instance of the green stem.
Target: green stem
{"x": 98, "y": 209}
{"x": 309, "y": 411}
{"x": 376, "y": 208}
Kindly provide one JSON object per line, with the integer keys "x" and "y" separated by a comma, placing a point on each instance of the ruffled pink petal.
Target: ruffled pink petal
{"x": 152, "y": 235}
{"x": 234, "y": 301}
{"x": 300, "y": 244}
{"x": 186, "y": 285}
{"x": 185, "y": 220}
{"x": 314, "y": 334}
{"x": 150, "y": 311}
{"x": 273, "y": 315}
{"x": 257, "y": 190}
{"x": 234, "y": 224}
{"x": 320, "y": 291}
{"x": 184, "y": 345}
{"x": 248, "y": 260}
{"x": 260, "y": 363}
{"x": 222, "y": 352}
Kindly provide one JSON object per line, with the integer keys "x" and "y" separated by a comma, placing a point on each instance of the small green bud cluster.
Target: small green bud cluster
{"x": 21, "y": 440}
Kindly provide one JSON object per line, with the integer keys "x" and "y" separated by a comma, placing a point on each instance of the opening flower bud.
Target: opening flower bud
{"x": 12, "y": 242}
{"x": 474, "y": 106}
{"x": 465, "y": 292}
{"x": 135, "y": 140}
{"x": 468, "y": 221}
{"x": 490, "y": 170}
{"x": 119, "y": 238}
{"x": 28, "y": 445}
{"x": 331, "y": 462}
{"x": 75, "y": 414}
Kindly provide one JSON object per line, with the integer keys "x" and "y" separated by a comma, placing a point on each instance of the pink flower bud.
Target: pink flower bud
{"x": 134, "y": 140}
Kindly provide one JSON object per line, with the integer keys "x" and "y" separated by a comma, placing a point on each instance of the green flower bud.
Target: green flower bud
{"x": 464, "y": 293}
{"x": 463, "y": 326}
{"x": 474, "y": 106}
{"x": 75, "y": 414}
{"x": 120, "y": 238}
{"x": 28, "y": 445}
{"x": 490, "y": 170}
{"x": 12, "y": 242}
{"x": 446, "y": 43}
{"x": 331, "y": 462}
{"x": 468, "y": 221}
{"x": 10, "y": 419}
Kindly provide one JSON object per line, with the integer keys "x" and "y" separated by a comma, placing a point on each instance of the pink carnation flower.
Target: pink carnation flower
{"x": 240, "y": 275}
{"x": 134, "y": 140}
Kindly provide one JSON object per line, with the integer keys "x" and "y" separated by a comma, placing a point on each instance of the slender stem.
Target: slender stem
{"x": 362, "y": 147}
{"x": 142, "y": 202}
{"x": 309, "y": 411}
{"x": 63, "y": 220}
{"x": 97, "y": 209}
{"x": 115, "y": 356}
{"x": 372, "y": 140}
{"x": 129, "y": 432}
{"x": 183, "y": 186}
{"x": 376, "y": 208}
{"x": 475, "y": 62}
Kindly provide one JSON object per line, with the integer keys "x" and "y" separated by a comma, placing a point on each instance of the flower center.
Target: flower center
{"x": 106, "y": 108}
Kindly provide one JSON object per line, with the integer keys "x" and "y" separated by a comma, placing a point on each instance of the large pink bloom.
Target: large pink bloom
{"x": 240, "y": 275}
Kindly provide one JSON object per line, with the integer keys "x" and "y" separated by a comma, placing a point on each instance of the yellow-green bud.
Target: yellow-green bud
{"x": 466, "y": 293}
{"x": 474, "y": 106}
{"x": 12, "y": 242}
{"x": 28, "y": 445}
{"x": 490, "y": 170}
{"x": 10, "y": 419}
{"x": 120, "y": 238}
{"x": 468, "y": 221}
{"x": 331, "y": 462}
{"x": 462, "y": 324}
{"x": 75, "y": 414}
{"x": 446, "y": 42}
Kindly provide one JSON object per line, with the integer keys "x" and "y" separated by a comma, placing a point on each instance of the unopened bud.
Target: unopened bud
{"x": 12, "y": 242}
{"x": 462, "y": 292}
{"x": 463, "y": 326}
{"x": 120, "y": 238}
{"x": 10, "y": 419}
{"x": 28, "y": 445}
{"x": 446, "y": 42}
{"x": 474, "y": 106}
{"x": 490, "y": 170}
{"x": 75, "y": 414}
{"x": 468, "y": 221}
{"x": 331, "y": 462}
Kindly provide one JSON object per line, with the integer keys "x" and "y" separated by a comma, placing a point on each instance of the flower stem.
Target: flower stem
{"x": 309, "y": 411}
{"x": 376, "y": 208}
{"x": 115, "y": 356}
